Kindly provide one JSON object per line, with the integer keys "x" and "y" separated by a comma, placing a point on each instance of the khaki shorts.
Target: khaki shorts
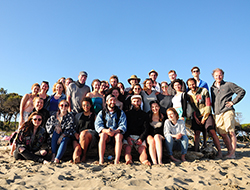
{"x": 135, "y": 145}
{"x": 225, "y": 122}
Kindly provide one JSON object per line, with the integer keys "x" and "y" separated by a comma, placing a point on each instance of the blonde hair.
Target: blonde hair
{"x": 54, "y": 87}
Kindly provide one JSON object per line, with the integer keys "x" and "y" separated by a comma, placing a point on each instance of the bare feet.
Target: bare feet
{"x": 183, "y": 159}
{"x": 76, "y": 160}
{"x": 45, "y": 162}
{"x": 174, "y": 159}
{"x": 146, "y": 162}
{"x": 57, "y": 160}
{"x": 101, "y": 161}
{"x": 129, "y": 162}
{"x": 232, "y": 156}
{"x": 116, "y": 162}
{"x": 219, "y": 155}
{"x": 53, "y": 157}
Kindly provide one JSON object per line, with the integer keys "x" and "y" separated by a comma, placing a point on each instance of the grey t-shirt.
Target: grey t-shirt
{"x": 77, "y": 94}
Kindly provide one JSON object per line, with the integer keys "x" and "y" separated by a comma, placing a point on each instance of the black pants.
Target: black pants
{"x": 27, "y": 155}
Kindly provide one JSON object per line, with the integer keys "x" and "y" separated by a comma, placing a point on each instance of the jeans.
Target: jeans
{"x": 62, "y": 147}
{"x": 173, "y": 143}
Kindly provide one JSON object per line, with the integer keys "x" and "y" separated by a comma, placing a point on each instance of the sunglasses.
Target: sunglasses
{"x": 39, "y": 119}
{"x": 64, "y": 105}
{"x": 195, "y": 71}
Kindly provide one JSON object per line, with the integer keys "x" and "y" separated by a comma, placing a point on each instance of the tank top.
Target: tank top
{"x": 97, "y": 104}
{"x": 176, "y": 100}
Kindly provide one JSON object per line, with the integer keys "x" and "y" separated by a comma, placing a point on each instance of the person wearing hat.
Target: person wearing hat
{"x": 132, "y": 81}
{"x": 111, "y": 124}
{"x": 153, "y": 75}
{"x": 76, "y": 91}
{"x": 137, "y": 131}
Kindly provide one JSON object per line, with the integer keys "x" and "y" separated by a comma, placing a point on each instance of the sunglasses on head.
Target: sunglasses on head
{"x": 39, "y": 119}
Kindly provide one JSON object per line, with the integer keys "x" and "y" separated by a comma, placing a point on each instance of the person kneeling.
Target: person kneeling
{"x": 137, "y": 131}
{"x": 175, "y": 133}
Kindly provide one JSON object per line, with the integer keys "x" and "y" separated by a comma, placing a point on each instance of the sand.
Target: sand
{"x": 198, "y": 174}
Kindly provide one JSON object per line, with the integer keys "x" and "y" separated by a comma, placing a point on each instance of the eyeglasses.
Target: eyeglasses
{"x": 64, "y": 105}
{"x": 165, "y": 86}
{"x": 35, "y": 119}
{"x": 137, "y": 88}
{"x": 195, "y": 71}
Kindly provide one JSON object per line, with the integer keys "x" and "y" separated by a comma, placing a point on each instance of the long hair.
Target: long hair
{"x": 175, "y": 112}
{"x": 132, "y": 89}
{"x": 54, "y": 87}
{"x": 151, "y": 113}
{"x": 60, "y": 103}
{"x": 144, "y": 83}
{"x": 28, "y": 124}
{"x": 88, "y": 99}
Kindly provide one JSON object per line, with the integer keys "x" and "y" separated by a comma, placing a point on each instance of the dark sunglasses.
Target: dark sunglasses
{"x": 195, "y": 71}
{"x": 37, "y": 119}
{"x": 62, "y": 105}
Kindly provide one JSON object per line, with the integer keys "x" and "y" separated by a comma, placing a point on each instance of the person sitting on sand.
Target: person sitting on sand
{"x": 175, "y": 133}
{"x": 61, "y": 129}
{"x": 110, "y": 122}
{"x": 155, "y": 132}
{"x": 136, "y": 133}
{"x": 86, "y": 136}
{"x": 30, "y": 139}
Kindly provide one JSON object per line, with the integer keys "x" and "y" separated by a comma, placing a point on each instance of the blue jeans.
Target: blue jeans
{"x": 173, "y": 143}
{"x": 62, "y": 147}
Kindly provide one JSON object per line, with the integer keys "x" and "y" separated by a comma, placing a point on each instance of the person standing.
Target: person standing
{"x": 202, "y": 119}
{"x": 153, "y": 75}
{"x": 76, "y": 92}
{"x": 222, "y": 103}
{"x": 173, "y": 76}
{"x": 196, "y": 74}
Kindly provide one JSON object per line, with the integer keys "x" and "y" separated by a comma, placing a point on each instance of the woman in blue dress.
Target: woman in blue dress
{"x": 96, "y": 97}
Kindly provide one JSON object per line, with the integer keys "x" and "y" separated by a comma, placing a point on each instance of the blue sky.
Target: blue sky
{"x": 45, "y": 40}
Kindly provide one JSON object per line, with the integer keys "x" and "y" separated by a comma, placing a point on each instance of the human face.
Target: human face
{"x": 62, "y": 81}
{"x": 149, "y": 84}
{"x": 136, "y": 102}
{"x": 137, "y": 90}
{"x": 192, "y": 85}
{"x": 36, "y": 120}
{"x": 82, "y": 78}
{"x": 195, "y": 73}
{"x": 164, "y": 87}
{"x": 63, "y": 106}
{"x": 111, "y": 102}
{"x": 115, "y": 93}
{"x": 171, "y": 115}
{"x": 59, "y": 88}
{"x": 67, "y": 82}
{"x": 177, "y": 87}
{"x": 38, "y": 104}
{"x": 155, "y": 108}
{"x": 103, "y": 86}
{"x": 218, "y": 76}
{"x": 44, "y": 87}
{"x": 86, "y": 106}
{"x": 35, "y": 90}
{"x": 96, "y": 85}
{"x": 172, "y": 76}
{"x": 153, "y": 76}
{"x": 120, "y": 86}
{"x": 113, "y": 82}
{"x": 133, "y": 82}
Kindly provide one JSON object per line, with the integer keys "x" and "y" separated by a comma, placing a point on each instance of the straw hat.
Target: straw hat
{"x": 134, "y": 77}
{"x": 153, "y": 71}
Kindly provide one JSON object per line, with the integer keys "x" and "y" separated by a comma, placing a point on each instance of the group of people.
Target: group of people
{"x": 143, "y": 118}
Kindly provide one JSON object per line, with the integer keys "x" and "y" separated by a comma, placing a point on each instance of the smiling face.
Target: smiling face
{"x": 195, "y": 73}
{"x": 38, "y": 104}
{"x": 82, "y": 78}
{"x": 113, "y": 82}
{"x": 177, "y": 87}
{"x": 111, "y": 103}
{"x": 35, "y": 90}
{"x": 96, "y": 86}
{"x": 86, "y": 106}
{"x": 218, "y": 76}
{"x": 67, "y": 82}
{"x": 149, "y": 84}
{"x": 172, "y": 76}
{"x": 136, "y": 102}
{"x": 137, "y": 90}
{"x": 164, "y": 87}
{"x": 59, "y": 88}
{"x": 155, "y": 108}
{"x": 63, "y": 106}
{"x": 36, "y": 120}
{"x": 44, "y": 87}
{"x": 171, "y": 116}
{"x": 192, "y": 85}
{"x": 115, "y": 93}
{"x": 153, "y": 76}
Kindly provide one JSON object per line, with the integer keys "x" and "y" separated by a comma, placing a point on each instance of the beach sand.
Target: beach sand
{"x": 198, "y": 174}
